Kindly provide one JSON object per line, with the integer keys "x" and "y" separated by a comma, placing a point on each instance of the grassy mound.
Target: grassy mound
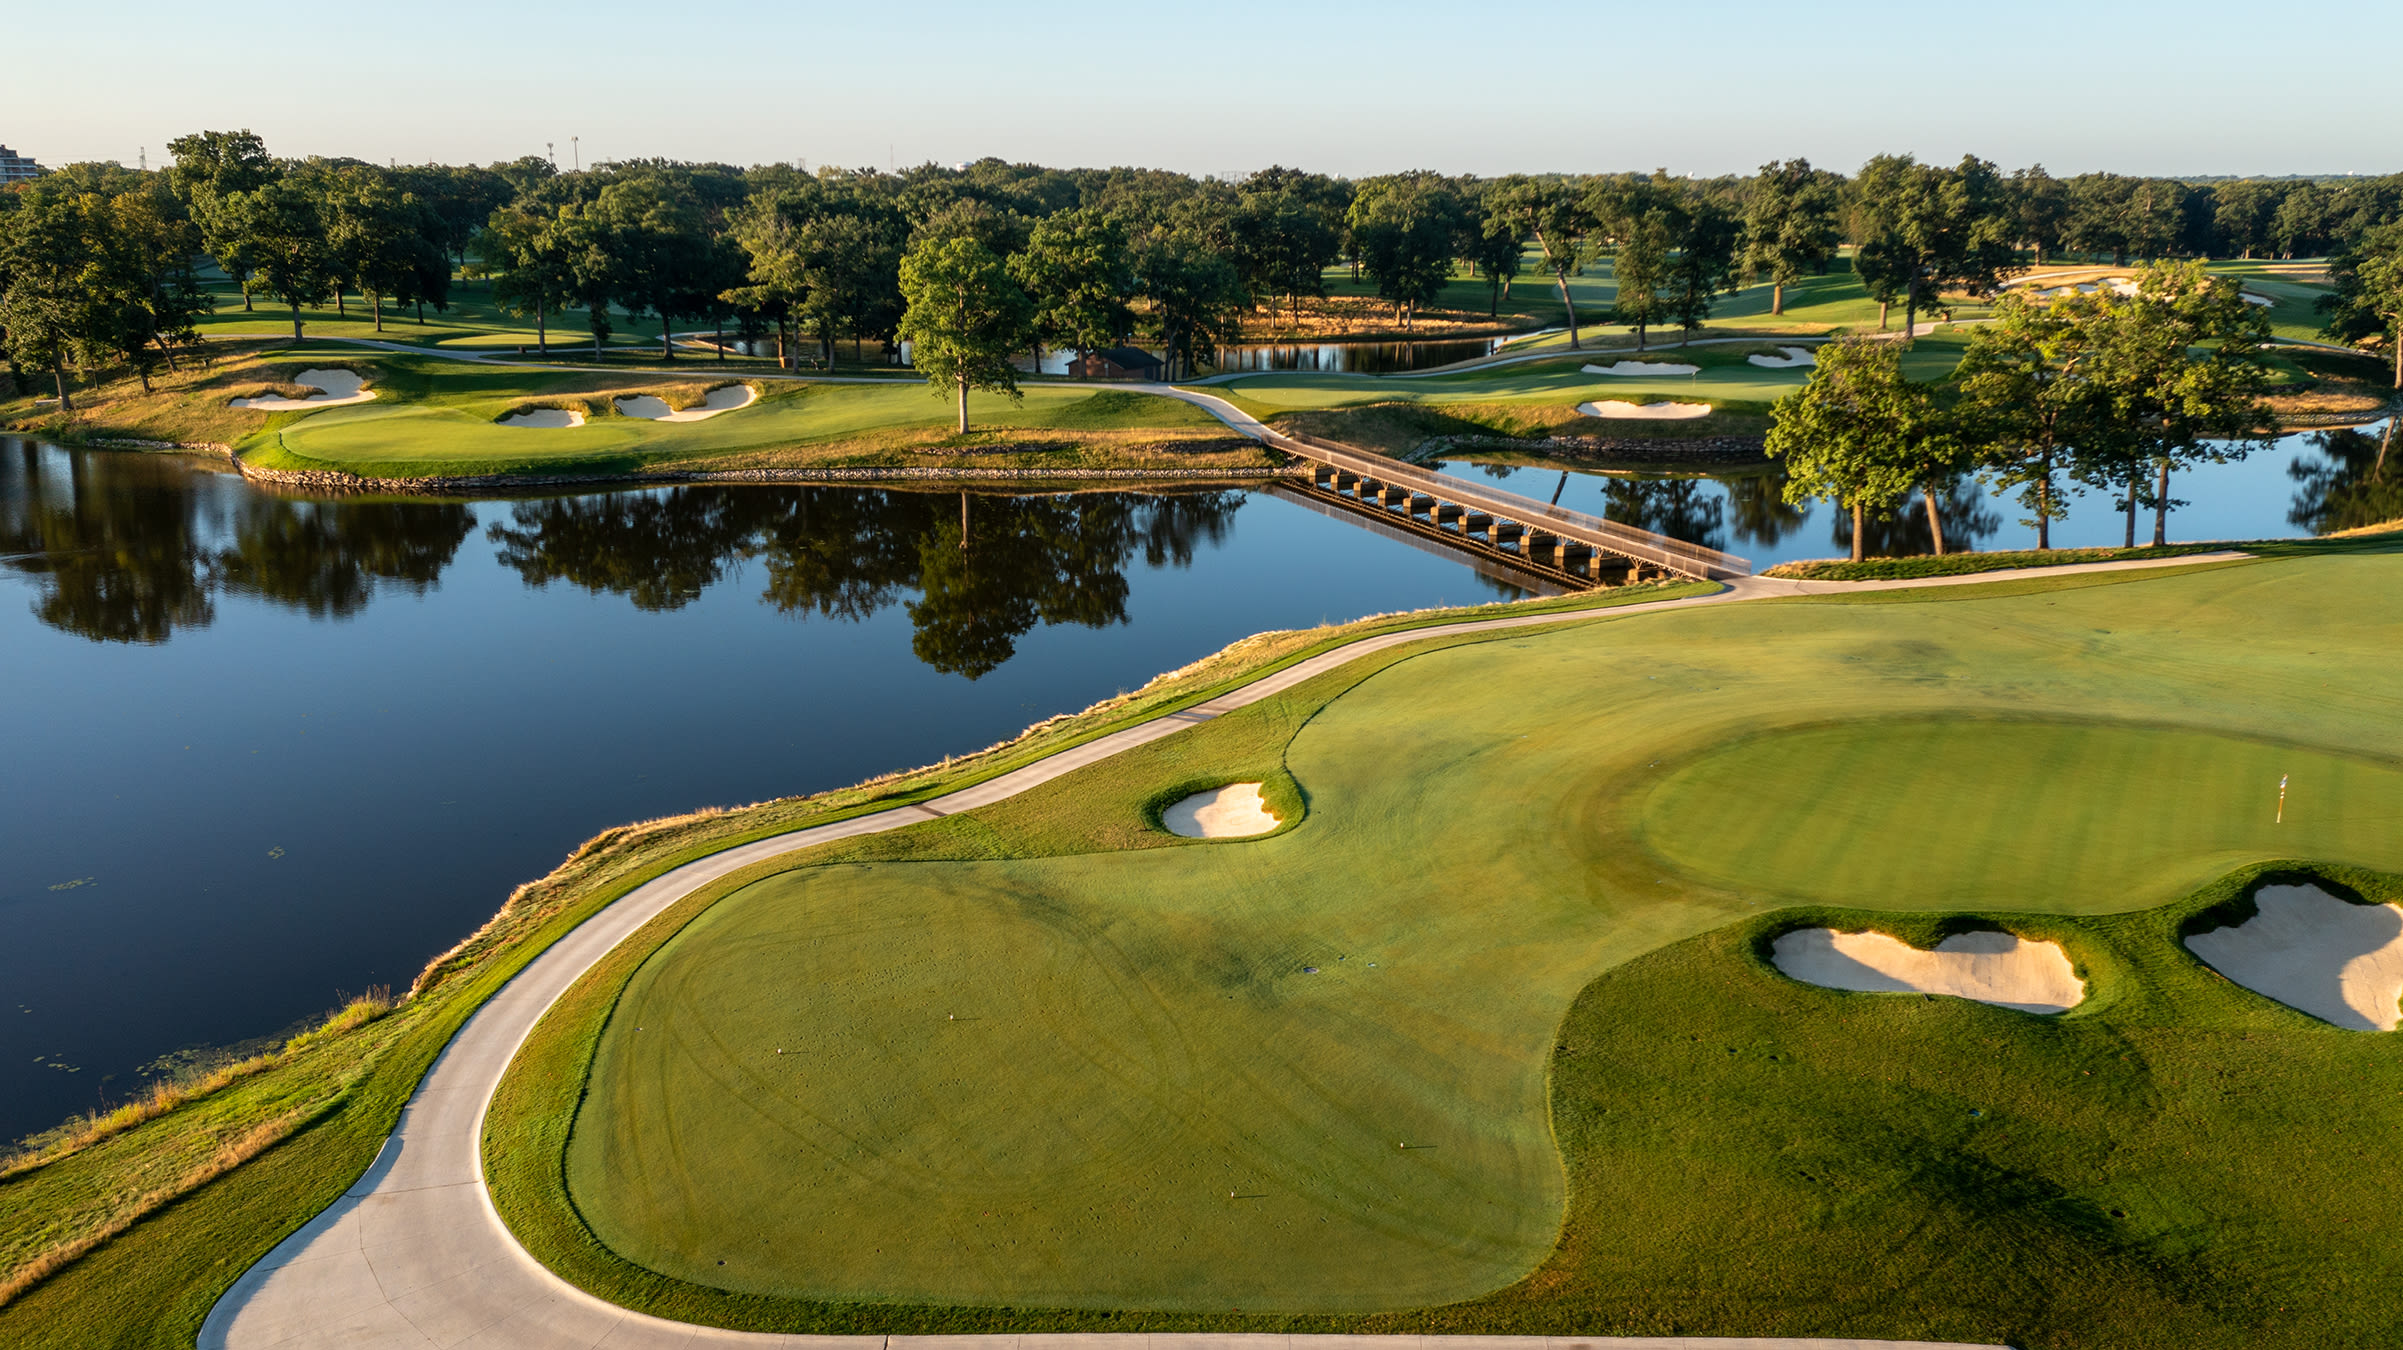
{"x": 2177, "y": 1163}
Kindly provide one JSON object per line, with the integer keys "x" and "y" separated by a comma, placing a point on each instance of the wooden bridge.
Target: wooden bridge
{"x": 1551, "y": 541}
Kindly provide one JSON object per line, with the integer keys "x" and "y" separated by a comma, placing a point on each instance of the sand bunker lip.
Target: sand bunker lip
{"x": 1989, "y": 966}
{"x": 1619, "y": 409}
{"x": 1642, "y": 368}
{"x": 545, "y": 419}
{"x": 339, "y": 387}
{"x": 2316, "y": 953}
{"x": 1792, "y": 358}
{"x": 1231, "y": 812}
{"x": 652, "y": 409}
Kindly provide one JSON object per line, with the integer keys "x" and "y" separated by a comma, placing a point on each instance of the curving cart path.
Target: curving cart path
{"x": 414, "y": 1255}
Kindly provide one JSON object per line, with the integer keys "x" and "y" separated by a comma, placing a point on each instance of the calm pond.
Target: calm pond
{"x": 2307, "y": 483}
{"x": 269, "y": 751}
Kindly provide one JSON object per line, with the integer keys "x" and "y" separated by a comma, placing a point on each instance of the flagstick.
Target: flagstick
{"x": 2281, "y": 799}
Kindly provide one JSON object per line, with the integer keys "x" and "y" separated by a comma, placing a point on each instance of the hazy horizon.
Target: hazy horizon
{"x": 1339, "y": 86}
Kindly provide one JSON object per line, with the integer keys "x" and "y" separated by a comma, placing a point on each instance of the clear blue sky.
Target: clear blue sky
{"x": 1341, "y": 86}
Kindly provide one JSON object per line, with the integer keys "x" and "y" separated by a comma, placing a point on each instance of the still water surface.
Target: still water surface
{"x": 2307, "y": 483}
{"x": 267, "y": 751}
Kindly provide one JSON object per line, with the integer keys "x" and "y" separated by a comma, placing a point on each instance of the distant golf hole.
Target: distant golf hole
{"x": 1230, "y": 812}
{"x": 1989, "y": 967}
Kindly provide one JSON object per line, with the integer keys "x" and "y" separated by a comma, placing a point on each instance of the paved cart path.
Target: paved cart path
{"x": 414, "y": 1254}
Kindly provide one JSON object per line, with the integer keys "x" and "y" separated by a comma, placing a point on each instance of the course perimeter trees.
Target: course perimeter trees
{"x": 965, "y": 318}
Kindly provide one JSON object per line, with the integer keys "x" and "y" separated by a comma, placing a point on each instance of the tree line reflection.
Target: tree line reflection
{"x": 134, "y": 548}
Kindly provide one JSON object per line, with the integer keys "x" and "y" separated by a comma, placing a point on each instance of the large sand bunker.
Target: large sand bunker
{"x": 1621, "y": 410}
{"x": 2316, "y": 953}
{"x": 1642, "y": 368}
{"x": 1792, "y": 357}
{"x": 652, "y": 409}
{"x": 1991, "y": 967}
{"x": 1230, "y": 812}
{"x": 545, "y": 419}
{"x": 339, "y": 387}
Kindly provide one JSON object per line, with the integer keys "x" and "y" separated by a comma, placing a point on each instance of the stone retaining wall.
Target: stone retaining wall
{"x": 318, "y": 480}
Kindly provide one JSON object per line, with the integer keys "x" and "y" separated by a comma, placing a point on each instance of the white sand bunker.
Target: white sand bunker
{"x": 1642, "y": 368}
{"x": 2316, "y": 953}
{"x": 1621, "y": 409}
{"x": 1793, "y": 357}
{"x": 2262, "y": 300}
{"x": 1991, "y": 967}
{"x": 1230, "y": 812}
{"x": 545, "y": 419}
{"x": 337, "y": 387}
{"x": 652, "y": 409}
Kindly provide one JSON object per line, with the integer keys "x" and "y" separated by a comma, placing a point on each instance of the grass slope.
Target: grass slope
{"x": 1137, "y": 1035}
{"x": 2176, "y": 1164}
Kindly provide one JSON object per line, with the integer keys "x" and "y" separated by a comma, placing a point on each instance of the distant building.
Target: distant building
{"x": 15, "y": 168}
{"x": 1117, "y": 363}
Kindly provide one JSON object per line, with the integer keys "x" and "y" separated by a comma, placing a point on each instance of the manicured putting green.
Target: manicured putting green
{"x": 2013, "y": 814}
{"x": 1110, "y": 1080}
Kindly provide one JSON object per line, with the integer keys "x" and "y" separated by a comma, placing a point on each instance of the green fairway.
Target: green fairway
{"x": 435, "y": 417}
{"x": 1046, "y": 1055}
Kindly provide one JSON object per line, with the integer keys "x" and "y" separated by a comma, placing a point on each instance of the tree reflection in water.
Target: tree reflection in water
{"x": 131, "y": 548}
{"x": 986, "y": 569}
{"x": 1903, "y": 532}
{"x": 2359, "y": 483}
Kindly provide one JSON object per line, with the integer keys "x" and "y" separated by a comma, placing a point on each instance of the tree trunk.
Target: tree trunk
{"x": 1935, "y": 523}
{"x": 542, "y": 332}
{"x": 2399, "y": 358}
{"x": 667, "y": 348}
{"x": 2131, "y": 539}
{"x": 341, "y": 304}
{"x": 2379, "y": 470}
{"x": 2161, "y": 507}
{"x": 58, "y": 376}
{"x": 1777, "y": 297}
{"x": 963, "y": 521}
{"x": 375, "y": 301}
{"x": 1860, "y": 530}
{"x": 963, "y": 407}
{"x": 721, "y": 339}
{"x": 421, "y": 313}
{"x": 2044, "y": 507}
{"x": 246, "y": 295}
{"x": 296, "y": 321}
{"x": 1562, "y": 278}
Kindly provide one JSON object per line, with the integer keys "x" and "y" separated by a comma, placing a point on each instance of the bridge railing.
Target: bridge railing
{"x": 1643, "y": 545}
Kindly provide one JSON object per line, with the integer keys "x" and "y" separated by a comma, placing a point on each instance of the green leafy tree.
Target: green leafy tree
{"x": 2039, "y": 210}
{"x": 1286, "y": 229}
{"x": 965, "y": 317}
{"x": 1858, "y": 433}
{"x": 1556, "y": 215}
{"x": 2027, "y": 400}
{"x": 1789, "y": 226}
{"x": 54, "y": 310}
{"x": 2180, "y": 364}
{"x": 1924, "y": 229}
{"x": 1078, "y": 275}
{"x": 656, "y": 251}
{"x": 1708, "y": 239}
{"x": 211, "y": 167}
{"x": 2367, "y": 301}
{"x": 287, "y": 235}
{"x": 1497, "y": 250}
{"x": 1195, "y": 299}
{"x": 1404, "y": 227}
{"x": 1643, "y": 218}
{"x": 535, "y": 269}
{"x": 148, "y": 292}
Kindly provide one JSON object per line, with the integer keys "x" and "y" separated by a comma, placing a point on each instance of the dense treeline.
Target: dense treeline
{"x": 976, "y": 264}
